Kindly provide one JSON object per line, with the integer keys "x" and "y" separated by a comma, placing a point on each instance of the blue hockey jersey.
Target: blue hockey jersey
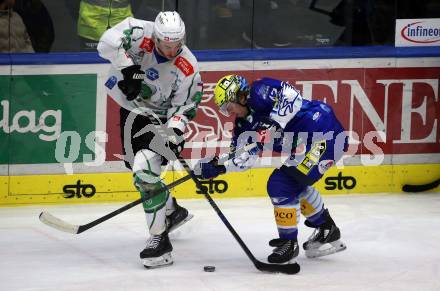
{"x": 304, "y": 123}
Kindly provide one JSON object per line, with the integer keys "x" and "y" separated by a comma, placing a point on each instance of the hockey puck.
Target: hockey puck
{"x": 209, "y": 268}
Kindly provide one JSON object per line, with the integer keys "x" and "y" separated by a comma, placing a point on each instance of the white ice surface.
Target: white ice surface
{"x": 393, "y": 243}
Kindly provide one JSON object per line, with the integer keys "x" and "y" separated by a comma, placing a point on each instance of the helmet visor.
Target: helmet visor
{"x": 224, "y": 109}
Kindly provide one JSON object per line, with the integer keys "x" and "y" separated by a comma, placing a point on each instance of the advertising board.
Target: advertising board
{"x": 49, "y": 124}
{"x": 417, "y": 32}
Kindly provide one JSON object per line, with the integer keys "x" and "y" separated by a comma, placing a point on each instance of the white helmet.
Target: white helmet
{"x": 168, "y": 26}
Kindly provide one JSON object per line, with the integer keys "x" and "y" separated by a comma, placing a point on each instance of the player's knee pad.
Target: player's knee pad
{"x": 287, "y": 218}
{"x": 147, "y": 160}
{"x": 146, "y": 178}
{"x": 149, "y": 186}
{"x": 311, "y": 202}
{"x": 283, "y": 193}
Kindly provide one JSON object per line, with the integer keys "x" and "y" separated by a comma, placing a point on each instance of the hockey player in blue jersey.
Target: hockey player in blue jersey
{"x": 274, "y": 114}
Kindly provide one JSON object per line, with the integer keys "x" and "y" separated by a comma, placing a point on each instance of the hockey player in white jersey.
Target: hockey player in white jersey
{"x": 152, "y": 71}
{"x": 274, "y": 114}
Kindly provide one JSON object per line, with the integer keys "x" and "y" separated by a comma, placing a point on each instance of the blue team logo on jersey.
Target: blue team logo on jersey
{"x": 111, "y": 82}
{"x": 287, "y": 101}
{"x": 286, "y": 107}
{"x": 152, "y": 74}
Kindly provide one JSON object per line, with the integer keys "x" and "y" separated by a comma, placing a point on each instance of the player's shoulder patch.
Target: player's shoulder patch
{"x": 147, "y": 44}
{"x": 111, "y": 82}
{"x": 184, "y": 65}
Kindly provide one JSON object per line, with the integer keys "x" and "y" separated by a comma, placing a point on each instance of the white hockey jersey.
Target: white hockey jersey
{"x": 171, "y": 88}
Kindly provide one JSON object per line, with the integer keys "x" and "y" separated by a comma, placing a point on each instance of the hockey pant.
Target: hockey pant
{"x": 130, "y": 125}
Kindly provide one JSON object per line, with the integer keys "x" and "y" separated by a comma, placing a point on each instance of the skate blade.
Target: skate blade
{"x": 188, "y": 218}
{"x": 326, "y": 249}
{"x": 161, "y": 261}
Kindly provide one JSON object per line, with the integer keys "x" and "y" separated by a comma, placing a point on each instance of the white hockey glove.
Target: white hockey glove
{"x": 176, "y": 142}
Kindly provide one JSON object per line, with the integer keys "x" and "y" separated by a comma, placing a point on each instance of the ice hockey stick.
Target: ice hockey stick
{"x": 421, "y": 187}
{"x": 57, "y": 223}
{"x": 273, "y": 268}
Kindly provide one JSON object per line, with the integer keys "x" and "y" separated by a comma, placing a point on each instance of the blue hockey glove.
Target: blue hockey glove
{"x": 211, "y": 169}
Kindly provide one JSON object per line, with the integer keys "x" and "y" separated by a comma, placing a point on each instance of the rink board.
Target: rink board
{"x": 56, "y": 118}
{"x": 107, "y": 187}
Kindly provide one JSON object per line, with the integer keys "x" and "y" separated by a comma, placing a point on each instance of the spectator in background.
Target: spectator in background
{"x": 96, "y": 16}
{"x": 38, "y": 23}
{"x": 14, "y": 37}
{"x": 284, "y": 23}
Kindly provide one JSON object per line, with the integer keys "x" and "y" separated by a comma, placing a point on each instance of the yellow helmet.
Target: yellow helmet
{"x": 227, "y": 89}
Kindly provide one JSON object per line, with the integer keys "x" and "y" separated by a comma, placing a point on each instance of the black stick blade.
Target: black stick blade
{"x": 421, "y": 187}
{"x": 289, "y": 269}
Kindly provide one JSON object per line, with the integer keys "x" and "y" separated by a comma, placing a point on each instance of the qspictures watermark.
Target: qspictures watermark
{"x": 69, "y": 143}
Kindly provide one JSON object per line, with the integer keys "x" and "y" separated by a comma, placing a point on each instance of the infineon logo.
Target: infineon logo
{"x": 417, "y": 32}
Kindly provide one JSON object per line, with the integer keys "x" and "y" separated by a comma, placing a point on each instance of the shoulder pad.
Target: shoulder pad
{"x": 184, "y": 65}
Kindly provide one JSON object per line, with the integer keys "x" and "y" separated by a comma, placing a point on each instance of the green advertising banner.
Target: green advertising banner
{"x": 5, "y": 89}
{"x": 36, "y": 109}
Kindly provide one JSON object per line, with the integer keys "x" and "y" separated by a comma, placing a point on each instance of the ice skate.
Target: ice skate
{"x": 178, "y": 217}
{"x": 286, "y": 250}
{"x": 157, "y": 253}
{"x": 325, "y": 239}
